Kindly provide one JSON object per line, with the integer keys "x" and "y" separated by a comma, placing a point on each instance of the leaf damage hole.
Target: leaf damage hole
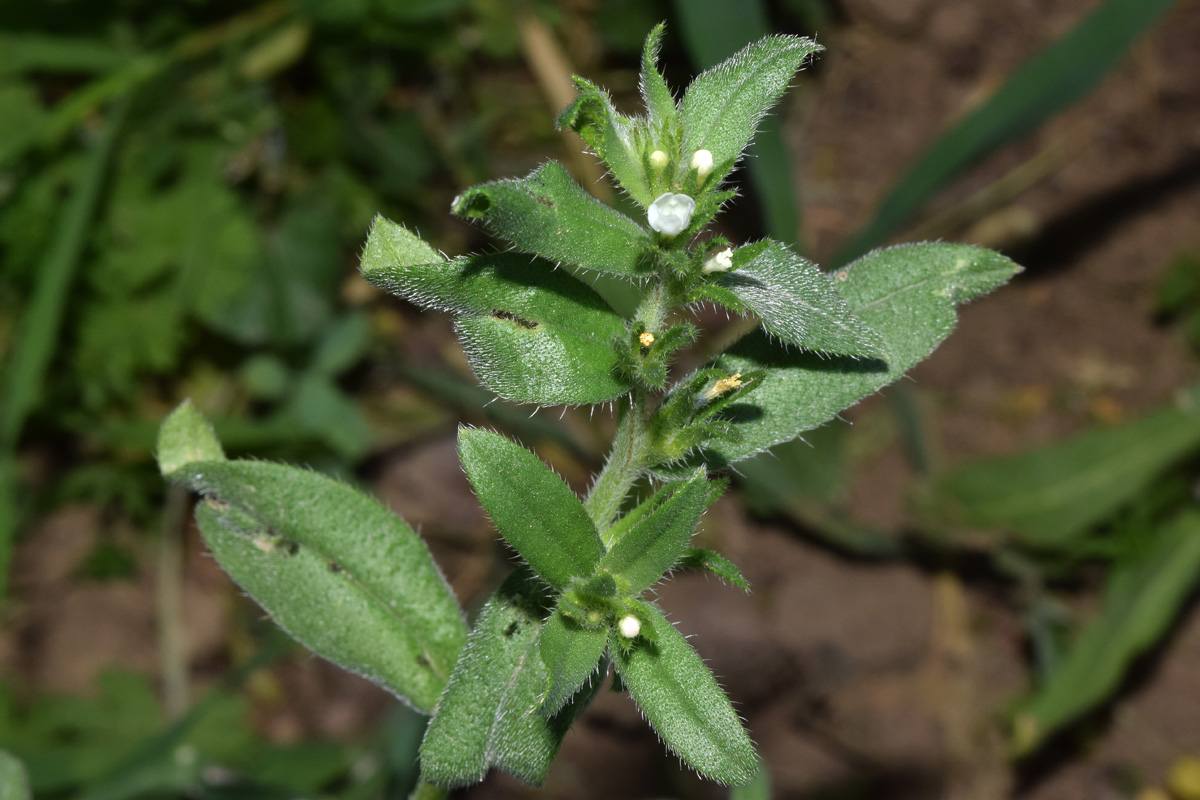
{"x": 516, "y": 319}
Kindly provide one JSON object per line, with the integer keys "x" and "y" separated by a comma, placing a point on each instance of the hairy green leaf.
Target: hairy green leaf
{"x": 678, "y": 694}
{"x": 906, "y": 294}
{"x": 532, "y": 333}
{"x": 571, "y": 654}
{"x": 305, "y": 546}
{"x": 655, "y": 542}
{"x": 534, "y": 510}
{"x": 798, "y": 303}
{"x": 660, "y": 103}
{"x": 486, "y": 717}
{"x": 550, "y": 215}
{"x": 723, "y": 568}
{"x": 610, "y": 135}
{"x": 1142, "y": 597}
{"x": 723, "y": 106}
{"x": 1050, "y": 496}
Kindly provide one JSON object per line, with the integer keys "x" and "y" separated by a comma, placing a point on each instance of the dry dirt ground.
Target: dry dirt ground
{"x": 856, "y": 679}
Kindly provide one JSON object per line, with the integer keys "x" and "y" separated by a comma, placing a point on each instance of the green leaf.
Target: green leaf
{"x": 713, "y": 29}
{"x": 723, "y": 106}
{"x": 660, "y": 103}
{"x": 14, "y": 782}
{"x": 654, "y": 543}
{"x": 682, "y": 700}
{"x": 549, "y": 214}
{"x": 571, "y": 654}
{"x": 798, "y": 303}
{"x": 723, "y": 568}
{"x": 186, "y": 436}
{"x": 1050, "y": 496}
{"x": 906, "y": 294}
{"x": 610, "y": 135}
{"x": 1047, "y": 84}
{"x": 1141, "y": 599}
{"x": 335, "y": 568}
{"x": 532, "y": 333}
{"x": 486, "y": 717}
{"x": 534, "y": 510}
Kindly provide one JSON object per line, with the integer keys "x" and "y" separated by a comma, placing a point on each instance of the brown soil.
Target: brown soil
{"x": 856, "y": 679}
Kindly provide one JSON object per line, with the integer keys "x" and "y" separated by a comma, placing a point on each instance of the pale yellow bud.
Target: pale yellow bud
{"x": 702, "y": 162}
{"x": 658, "y": 160}
{"x": 629, "y": 626}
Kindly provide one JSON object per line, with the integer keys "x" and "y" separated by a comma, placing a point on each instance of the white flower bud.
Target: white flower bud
{"x": 702, "y": 162}
{"x": 719, "y": 262}
{"x": 671, "y": 213}
{"x": 658, "y": 160}
{"x": 629, "y": 626}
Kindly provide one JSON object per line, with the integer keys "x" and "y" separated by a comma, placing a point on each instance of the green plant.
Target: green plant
{"x": 355, "y": 583}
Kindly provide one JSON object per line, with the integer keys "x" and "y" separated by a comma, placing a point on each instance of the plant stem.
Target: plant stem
{"x": 624, "y": 464}
{"x": 627, "y": 458}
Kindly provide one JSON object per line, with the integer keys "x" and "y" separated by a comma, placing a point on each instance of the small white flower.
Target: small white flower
{"x": 658, "y": 160}
{"x": 671, "y": 213}
{"x": 719, "y": 262}
{"x": 702, "y": 162}
{"x": 629, "y": 626}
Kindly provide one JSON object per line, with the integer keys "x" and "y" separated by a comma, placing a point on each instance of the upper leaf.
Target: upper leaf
{"x": 906, "y": 294}
{"x": 531, "y": 333}
{"x": 657, "y": 540}
{"x": 797, "y": 302}
{"x": 550, "y": 215}
{"x": 611, "y": 136}
{"x": 534, "y": 510}
{"x": 660, "y": 103}
{"x": 723, "y": 106}
{"x": 301, "y": 544}
{"x": 682, "y": 700}
{"x": 486, "y": 717}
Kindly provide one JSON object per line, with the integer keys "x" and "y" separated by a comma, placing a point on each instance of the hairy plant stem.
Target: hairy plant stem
{"x": 623, "y": 467}
{"x": 627, "y": 459}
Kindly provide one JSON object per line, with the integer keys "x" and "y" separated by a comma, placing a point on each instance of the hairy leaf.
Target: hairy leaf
{"x": 534, "y": 510}
{"x": 487, "y": 715}
{"x": 660, "y": 103}
{"x": 798, "y": 303}
{"x": 723, "y": 568}
{"x": 571, "y": 654}
{"x": 305, "y": 546}
{"x": 549, "y": 214}
{"x": 682, "y": 700}
{"x": 723, "y": 106}
{"x": 655, "y": 542}
{"x": 906, "y": 294}
{"x": 532, "y": 333}
{"x": 610, "y": 135}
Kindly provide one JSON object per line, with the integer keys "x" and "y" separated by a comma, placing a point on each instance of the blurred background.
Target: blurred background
{"x": 983, "y": 587}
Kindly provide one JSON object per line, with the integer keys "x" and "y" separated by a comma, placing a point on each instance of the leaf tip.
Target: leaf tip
{"x": 185, "y": 437}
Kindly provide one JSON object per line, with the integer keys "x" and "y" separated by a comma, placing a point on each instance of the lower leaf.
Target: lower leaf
{"x": 680, "y": 697}
{"x": 486, "y": 717}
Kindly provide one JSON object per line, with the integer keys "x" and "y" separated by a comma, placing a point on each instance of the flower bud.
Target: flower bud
{"x": 670, "y": 213}
{"x": 629, "y": 626}
{"x": 658, "y": 160}
{"x": 718, "y": 262}
{"x": 702, "y": 162}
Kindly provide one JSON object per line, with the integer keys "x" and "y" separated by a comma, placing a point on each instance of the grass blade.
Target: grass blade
{"x": 39, "y": 328}
{"x": 1053, "y": 80}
